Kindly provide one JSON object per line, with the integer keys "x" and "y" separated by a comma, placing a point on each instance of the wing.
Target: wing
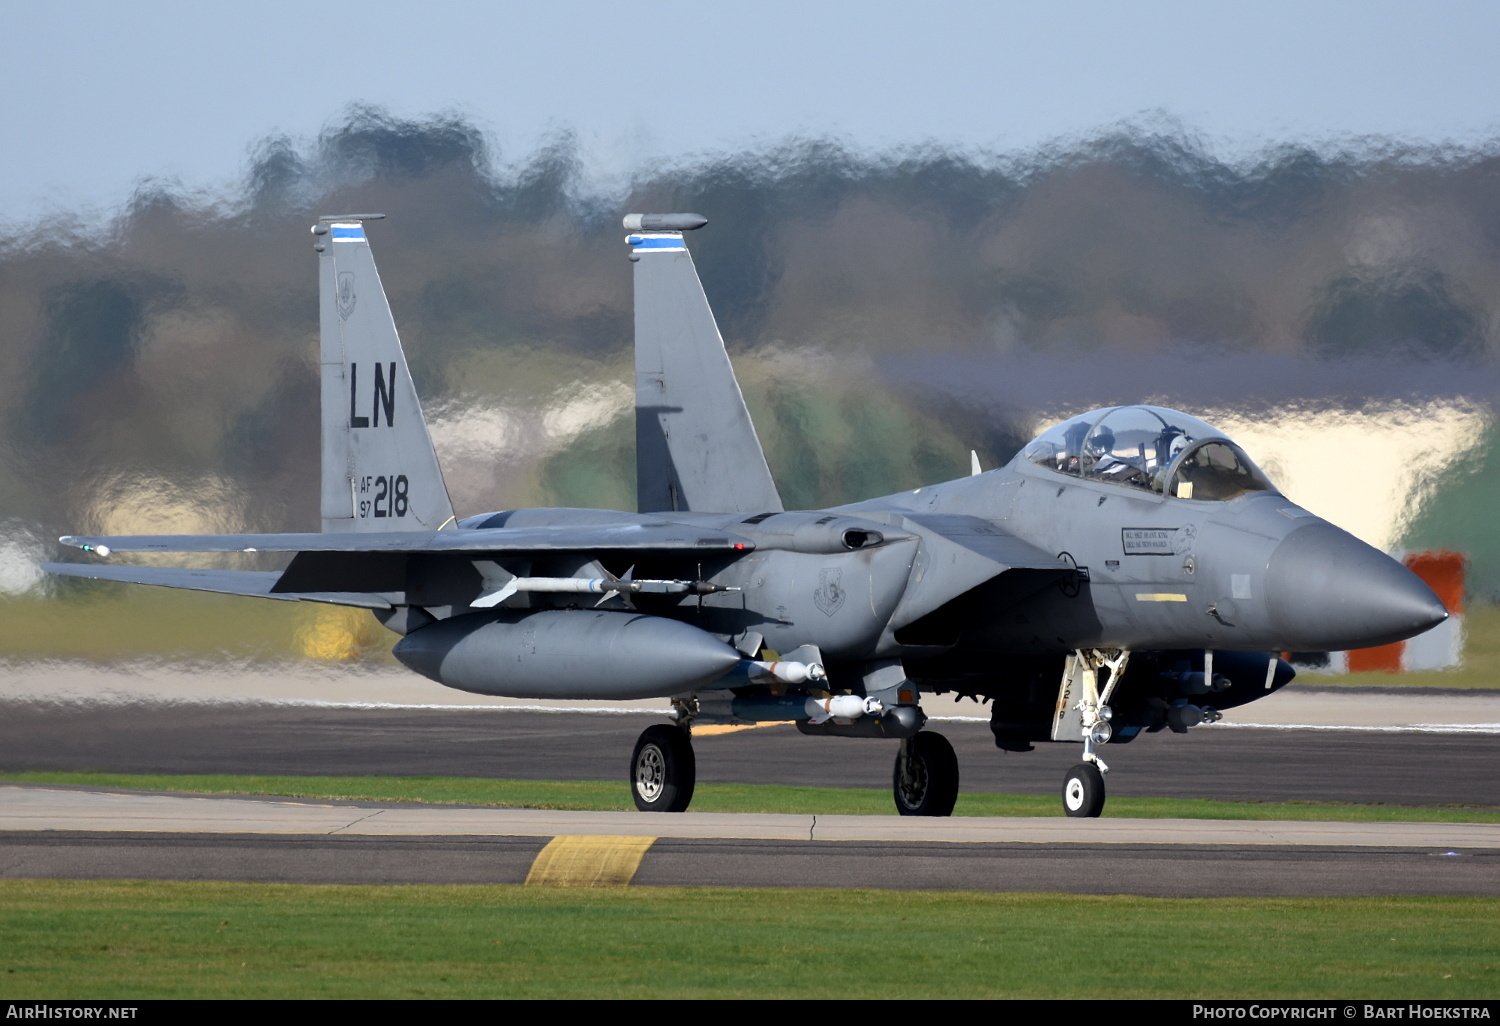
{"x": 371, "y": 570}
{"x": 253, "y": 583}
{"x": 664, "y": 538}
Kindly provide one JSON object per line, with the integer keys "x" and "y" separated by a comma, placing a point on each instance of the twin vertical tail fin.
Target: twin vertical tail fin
{"x": 380, "y": 472}
{"x": 696, "y": 448}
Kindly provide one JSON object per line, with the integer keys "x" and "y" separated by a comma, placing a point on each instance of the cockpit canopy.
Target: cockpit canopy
{"x": 1151, "y": 449}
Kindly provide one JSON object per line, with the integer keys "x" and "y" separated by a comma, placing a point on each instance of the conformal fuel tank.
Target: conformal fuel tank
{"x": 579, "y": 653}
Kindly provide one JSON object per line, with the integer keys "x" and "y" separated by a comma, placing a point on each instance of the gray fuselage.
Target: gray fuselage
{"x": 1023, "y": 560}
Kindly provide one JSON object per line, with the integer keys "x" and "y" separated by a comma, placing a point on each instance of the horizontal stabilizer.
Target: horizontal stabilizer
{"x": 601, "y": 538}
{"x": 253, "y": 583}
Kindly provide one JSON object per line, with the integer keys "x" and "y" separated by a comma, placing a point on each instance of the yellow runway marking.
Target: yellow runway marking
{"x": 730, "y": 728}
{"x": 574, "y": 861}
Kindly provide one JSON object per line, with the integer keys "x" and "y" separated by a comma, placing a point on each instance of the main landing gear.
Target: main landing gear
{"x": 663, "y": 772}
{"x": 663, "y": 769}
{"x": 925, "y": 777}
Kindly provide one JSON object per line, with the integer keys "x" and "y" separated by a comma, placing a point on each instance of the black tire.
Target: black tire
{"x": 924, "y": 781}
{"x": 663, "y": 770}
{"x": 1083, "y": 791}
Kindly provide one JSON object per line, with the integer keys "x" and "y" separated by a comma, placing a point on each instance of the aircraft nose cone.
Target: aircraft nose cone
{"x": 1329, "y": 591}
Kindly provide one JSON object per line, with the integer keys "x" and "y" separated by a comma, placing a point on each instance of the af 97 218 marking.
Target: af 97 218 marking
{"x": 391, "y": 499}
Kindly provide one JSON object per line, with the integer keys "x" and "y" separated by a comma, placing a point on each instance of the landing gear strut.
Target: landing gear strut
{"x": 663, "y": 769}
{"x": 925, "y": 778}
{"x": 1083, "y": 709}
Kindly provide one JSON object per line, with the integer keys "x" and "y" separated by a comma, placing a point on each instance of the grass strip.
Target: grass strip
{"x": 600, "y": 795}
{"x": 134, "y": 939}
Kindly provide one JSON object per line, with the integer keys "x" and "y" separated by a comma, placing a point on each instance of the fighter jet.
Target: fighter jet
{"x": 1130, "y": 570}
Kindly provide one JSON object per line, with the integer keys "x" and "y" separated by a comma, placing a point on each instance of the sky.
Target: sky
{"x": 101, "y": 96}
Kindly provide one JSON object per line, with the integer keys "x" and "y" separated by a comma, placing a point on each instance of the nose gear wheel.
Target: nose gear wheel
{"x": 1083, "y": 791}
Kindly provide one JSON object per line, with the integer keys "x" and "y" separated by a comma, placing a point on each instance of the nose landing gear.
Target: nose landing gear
{"x": 1083, "y": 791}
{"x": 1083, "y": 711}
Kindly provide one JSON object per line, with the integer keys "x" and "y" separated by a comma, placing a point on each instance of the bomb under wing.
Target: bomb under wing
{"x": 1130, "y": 571}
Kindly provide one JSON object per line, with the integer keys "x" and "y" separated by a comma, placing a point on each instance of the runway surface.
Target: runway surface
{"x": 1317, "y": 745}
{"x": 78, "y": 833}
{"x": 1208, "y": 762}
